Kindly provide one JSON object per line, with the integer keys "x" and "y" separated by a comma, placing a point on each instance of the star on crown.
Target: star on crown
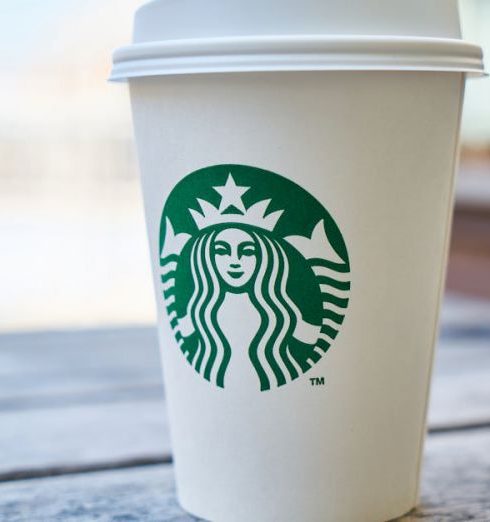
{"x": 232, "y": 209}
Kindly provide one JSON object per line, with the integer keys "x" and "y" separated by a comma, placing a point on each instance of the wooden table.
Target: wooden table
{"x": 83, "y": 432}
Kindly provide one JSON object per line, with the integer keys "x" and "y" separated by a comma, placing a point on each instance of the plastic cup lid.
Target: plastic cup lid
{"x": 215, "y": 36}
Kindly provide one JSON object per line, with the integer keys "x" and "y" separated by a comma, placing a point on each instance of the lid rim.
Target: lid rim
{"x": 295, "y": 53}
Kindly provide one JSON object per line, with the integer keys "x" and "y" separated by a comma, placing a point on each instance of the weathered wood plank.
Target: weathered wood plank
{"x": 82, "y": 436}
{"x": 139, "y": 495}
{"x": 43, "y": 365}
{"x": 39, "y": 370}
{"x": 461, "y": 387}
{"x": 130, "y": 351}
{"x": 44, "y": 369}
{"x": 90, "y": 433}
{"x": 126, "y": 419}
{"x": 60, "y": 390}
{"x": 456, "y": 478}
{"x": 455, "y": 488}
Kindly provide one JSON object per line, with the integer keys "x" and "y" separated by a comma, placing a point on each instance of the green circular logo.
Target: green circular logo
{"x": 243, "y": 237}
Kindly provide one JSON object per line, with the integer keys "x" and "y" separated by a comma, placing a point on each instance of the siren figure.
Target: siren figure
{"x": 236, "y": 251}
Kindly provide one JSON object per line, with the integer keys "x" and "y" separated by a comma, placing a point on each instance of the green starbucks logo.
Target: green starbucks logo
{"x": 243, "y": 237}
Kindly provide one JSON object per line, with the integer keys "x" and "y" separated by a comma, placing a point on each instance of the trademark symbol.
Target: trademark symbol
{"x": 317, "y": 381}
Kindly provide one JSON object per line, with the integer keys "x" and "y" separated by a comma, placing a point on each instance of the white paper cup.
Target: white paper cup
{"x": 298, "y": 223}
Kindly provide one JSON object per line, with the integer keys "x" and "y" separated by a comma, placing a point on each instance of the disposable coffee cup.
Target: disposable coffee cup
{"x": 297, "y": 162}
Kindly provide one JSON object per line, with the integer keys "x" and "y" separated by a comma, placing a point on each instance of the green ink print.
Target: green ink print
{"x": 234, "y": 229}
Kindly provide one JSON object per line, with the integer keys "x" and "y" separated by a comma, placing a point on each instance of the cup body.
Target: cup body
{"x": 378, "y": 151}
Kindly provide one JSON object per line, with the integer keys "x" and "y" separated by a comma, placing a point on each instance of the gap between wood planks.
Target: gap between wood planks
{"x": 158, "y": 460}
{"x": 58, "y": 471}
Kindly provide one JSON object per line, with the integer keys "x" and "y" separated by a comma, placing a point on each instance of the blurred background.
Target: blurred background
{"x": 73, "y": 246}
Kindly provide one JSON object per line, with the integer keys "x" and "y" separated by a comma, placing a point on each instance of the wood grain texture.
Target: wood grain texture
{"x": 51, "y": 369}
{"x": 456, "y": 482}
{"x": 92, "y": 398}
{"x": 75, "y": 402}
{"x": 82, "y": 436}
{"x": 456, "y": 479}
{"x": 39, "y": 370}
{"x": 139, "y": 495}
{"x": 107, "y": 431}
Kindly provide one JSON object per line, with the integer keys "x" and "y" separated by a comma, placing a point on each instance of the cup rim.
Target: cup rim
{"x": 296, "y": 53}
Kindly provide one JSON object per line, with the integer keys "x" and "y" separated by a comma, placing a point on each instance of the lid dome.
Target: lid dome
{"x": 197, "y": 36}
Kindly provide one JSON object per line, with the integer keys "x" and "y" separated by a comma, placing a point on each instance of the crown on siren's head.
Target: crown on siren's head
{"x": 232, "y": 209}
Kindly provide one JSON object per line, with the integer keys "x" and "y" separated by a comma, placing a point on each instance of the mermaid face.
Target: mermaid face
{"x": 235, "y": 255}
